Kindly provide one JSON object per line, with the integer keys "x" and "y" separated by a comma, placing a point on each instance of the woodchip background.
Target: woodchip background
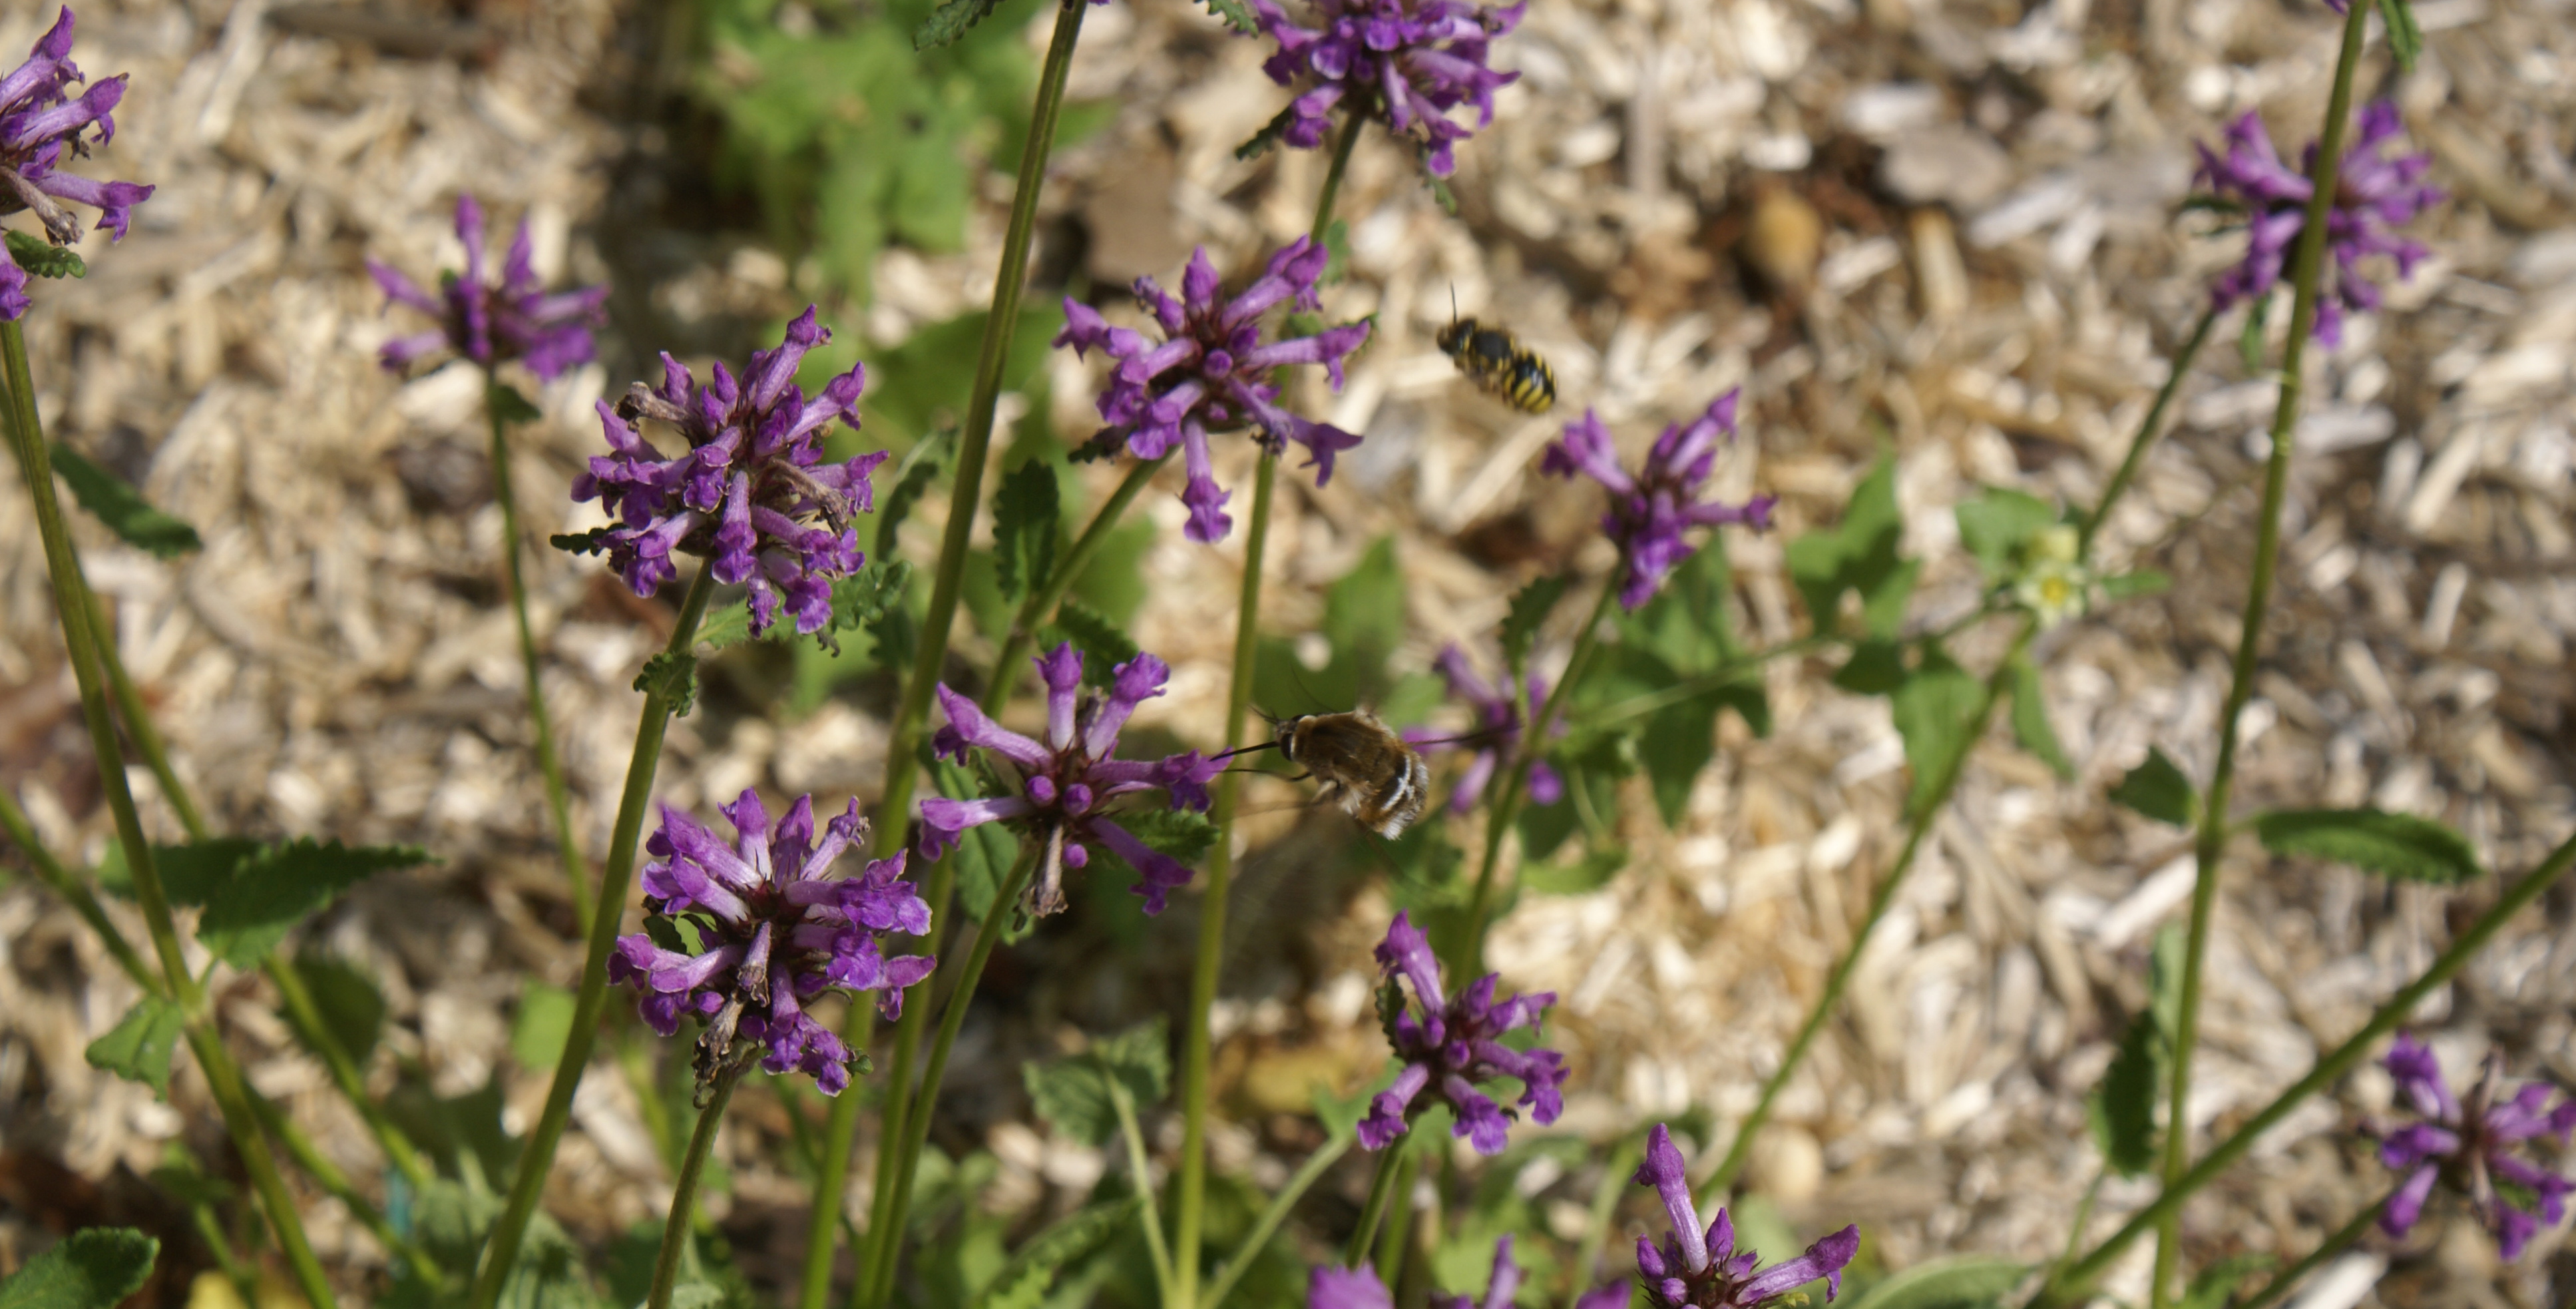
{"x": 1946, "y": 221}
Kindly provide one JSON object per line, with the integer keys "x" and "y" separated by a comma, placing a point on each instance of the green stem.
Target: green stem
{"x": 1067, "y": 569}
{"x": 232, "y": 1098}
{"x": 1692, "y": 688}
{"x": 1616, "y": 1177}
{"x": 306, "y": 1016}
{"x": 537, "y": 1155}
{"x": 1308, "y": 1173}
{"x": 912, "y": 712}
{"x": 884, "y": 1227}
{"x": 1324, "y": 199}
{"x": 2070, "y": 1286}
{"x": 50, "y": 871}
{"x": 329, "y": 1176}
{"x": 1880, "y": 900}
{"x": 1005, "y": 906}
{"x": 2342, "y": 1238}
{"x": 138, "y": 719}
{"x": 2083, "y": 1217}
{"x": 1469, "y": 948}
{"x": 1134, "y": 1136}
{"x": 2211, "y": 844}
{"x": 2147, "y": 432}
{"x": 684, "y": 1192}
{"x": 832, "y": 1161}
{"x": 540, "y": 723}
{"x": 1381, "y": 1187}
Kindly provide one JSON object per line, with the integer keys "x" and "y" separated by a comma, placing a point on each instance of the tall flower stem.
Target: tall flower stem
{"x": 306, "y": 1017}
{"x": 1925, "y": 814}
{"x": 684, "y": 1189}
{"x": 68, "y": 885}
{"x": 952, "y": 1018}
{"x": 1308, "y": 1173}
{"x": 1067, "y": 569}
{"x": 2333, "y": 1245}
{"x": 1615, "y": 1180}
{"x": 2307, "y": 264}
{"x": 536, "y": 1156}
{"x": 1467, "y": 952}
{"x": 1381, "y": 1186}
{"x": 81, "y": 643}
{"x": 912, "y": 712}
{"x": 1197, "y": 1040}
{"x": 309, "y": 1157}
{"x": 2072, "y": 1285}
{"x": 2148, "y": 431}
{"x": 540, "y": 723}
{"x": 138, "y": 719}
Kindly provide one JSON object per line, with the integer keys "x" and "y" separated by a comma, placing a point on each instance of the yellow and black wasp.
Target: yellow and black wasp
{"x": 1496, "y": 360}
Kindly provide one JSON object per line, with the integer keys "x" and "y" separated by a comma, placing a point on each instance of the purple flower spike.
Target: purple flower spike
{"x": 1405, "y": 63}
{"x": 749, "y": 488}
{"x": 1651, "y": 509}
{"x": 2469, "y": 1144}
{"x": 1501, "y": 707}
{"x": 1696, "y": 1270}
{"x": 1451, "y": 1043}
{"x": 2373, "y": 194}
{"x": 494, "y": 322}
{"x": 1068, "y": 778}
{"x": 1211, "y": 372}
{"x": 1359, "y": 1288}
{"x": 775, "y": 927}
{"x": 1347, "y": 1288}
{"x": 40, "y": 122}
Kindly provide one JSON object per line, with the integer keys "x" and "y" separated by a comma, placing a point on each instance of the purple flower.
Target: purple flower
{"x": 1500, "y": 708}
{"x": 1067, "y": 780}
{"x": 494, "y": 323}
{"x": 1453, "y": 1044}
{"x": 2372, "y": 195}
{"x": 1359, "y": 1288}
{"x": 1651, "y": 510}
{"x": 1704, "y": 1270}
{"x": 39, "y": 121}
{"x": 2470, "y": 1145}
{"x": 774, "y": 928}
{"x": 1212, "y": 371}
{"x": 746, "y": 491}
{"x": 1406, "y": 63}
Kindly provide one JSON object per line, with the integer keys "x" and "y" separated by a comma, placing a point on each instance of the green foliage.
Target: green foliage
{"x": 1072, "y": 1093}
{"x": 449, "y": 1219}
{"x": 2401, "y": 846}
{"x": 950, "y": 22}
{"x": 672, "y": 675}
{"x": 284, "y": 884}
{"x": 1936, "y": 708}
{"x": 920, "y": 388}
{"x": 1103, "y": 645}
{"x": 140, "y": 1046}
{"x": 911, "y": 481}
{"x": 1582, "y": 877}
{"x": 36, "y": 256}
{"x": 2122, "y": 1110}
{"x": 2158, "y": 789}
{"x": 1961, "y": 1282}
{"x": 592, "y": 542}
{"x": 1363, "y": 623}
{"x": 503, "y": 401}
{"x": 1682, "y": 636}
{"x": 2212, "y": 1287}
{"x": 542, "y": 1025}
{"x": 2249, "y": 343}
{"x": 1591, "y": 787}
{"x": 462, "y": 1133}
{"x": 1236, "y": 14}
{"x": 2030, "y": 718}
{"x": 1024, "y": 1281}
{"x": 1530, "y": 607}
{"x": 189, "y": 873}
{"x": 1858, "y": 555}
{"x": 2143, "y": 582}
{"x": 1998, "y": 524}
{"x": 2405, "y": 37}
{"x": 114, "y": 501}
{"x": 1024, "y": 528}
{"x": 1267, "y": 139}
{"x": 93, "y": 1268}
{"x": 985, "y": 853}
{"x": 351, "y": 1008}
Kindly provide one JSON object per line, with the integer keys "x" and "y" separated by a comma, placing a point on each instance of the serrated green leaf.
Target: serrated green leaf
{"x": 43, "y": 259}
{"x": 1676, "y": 745}
{"x": 1264, "y": 141}
{"x": 953, "y": 19}
{"x": 2122, "y": 1109}
{"x": 1530, "y": 607}
{"x": 1236, "y": 14}
{"x": 1024, "y": 1281}
{"x": 1025, "y": 510}
{"x": 504, "y": 402}
{"x": 284, "y": 884}
{"x": 1438, "y": 186}
{"x": 113, "y": 501}
{"x": 140, "y": 1046}
{"x": 2402, "y": 846}
{"x": 729, "y": 626}
{"x": 1935, "y": 708}
{"x": 541, "y": 1026}
{"x": 1103, "y": 645}
{"x": 1998, "y": 523}
{"x": 1071, "y": 1095}
{"x": 672, "y": 675}
{"x": 1857, "y": 555}
{"x": 2211, "y": 1287}
{"x": 2030, "y": 718}
{"x": 1964, "y": 1282}
{"x": 93, "y": 1268}
{"x": 2405, "y": 37}
{"x": 2158, "y": 789}
{"x": 189, "y": 873}
{"x": 592, "y": 542}
{"x": 352, "y": 1009}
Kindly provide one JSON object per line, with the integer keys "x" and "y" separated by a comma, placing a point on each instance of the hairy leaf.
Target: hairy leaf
{"x": 1024, "y": 1281}
{"x": 114, "y": 501}
{"x": 2122, "y": 1109}
{"x": 672, "y": 675}
{"x": 1236, "y": 14}
{"x": 1267, "y": 139}
{"x": 189, "y": 873}
{"x": 93, "y": 1268}
{"x": 1530, "y": 607}
{"x": 592, "y": 542}
{"x": 284, "y": 884}
{"x": 1586, "y": 875}
{"x": 1997, "y": 524}
{"x": 141, "y": 1044}
{"x": 37, "y": 256}
{"x": 504, "y": 402}
{"x": 2402, "y": 846}
{"x": 2405, "y": 37}
{"x": 1025, "y": 510}
{"x": 953, "y": 19}
{"x": 351, "y": 1008}
{"x": 1857, "y": 555}
{"x": 1935, "y": 709}
{"x": 1103, "y": 644}
{"x": 1070, "y": 1094}
{"x": 2030, "y": 718}
{"x": 2158, "y": 789}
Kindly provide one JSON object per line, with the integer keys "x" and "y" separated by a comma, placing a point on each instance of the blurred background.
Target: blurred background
{"x": 1942, "y": 230}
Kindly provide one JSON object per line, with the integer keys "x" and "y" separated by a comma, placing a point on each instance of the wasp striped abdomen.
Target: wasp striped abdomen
{"x": 1495, "y": 360}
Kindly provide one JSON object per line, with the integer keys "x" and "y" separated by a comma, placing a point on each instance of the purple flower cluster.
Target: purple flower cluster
{"x": 1330, "y": 1287}
{"x": 1067, "y": 779}
{"x": 1696, "y": 1270}
{"x": 2373, "y": 193}
{"x": 1650, "y": 510}
{"x": 1212, "y": 371}
{"x": 493, "y": 323}
{"x": 1501, "y": 707}
{"x": 39, "y": 121}
{"x": 1406, "y": 63}
{"x": 774, "y": 927}
{"x": 747, "y": 489}
{"x": 1454, "y": 1043}
{"x": 2471, "y": 1146}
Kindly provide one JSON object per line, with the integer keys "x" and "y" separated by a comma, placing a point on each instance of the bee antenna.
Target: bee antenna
{"x": 1453, "y": 302}
{"x": 1244, "y": 749}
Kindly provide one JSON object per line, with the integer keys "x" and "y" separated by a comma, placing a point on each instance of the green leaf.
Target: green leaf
{"x": 2030, "y": 718}
{"x": 2405, "y": 37}
{"x": 2122, "y": 1109}
{"x": 1858, "y": 555}
{"x": 542, "y": 1025}
{"x": 94, "y": 1268}
{"x": 504, "y": 402}
{"x": 1874, "y": 668}
{"x": 190, "y": 874}
{"x": 1530, "y": 608}
{"x": 351, "y": 1008}
{"x": 2402, "y": 846}
{"x": 1024, "y": 528}
{"x": 2143, "y": 582}
{"x": 985, "y": 852}
{"x": 729, "y": 626}
{"x": 1024, "y": 1281}
{"x": 592, "y": 542}
{"x": 2249, "y": 343}
{"x": 2211, "y": 1286}
{"x": 1337, "y": 255}
{"x": 1264, "y": 141}
{"x": 672, "y": 675}
{"x": 44, "y": 260}
{"x": 1102, "y": 644}
{"x": 281, "y": 886}
{"x": 1935, "y": 708}
{"x": 1962, "y": 1282}
{"x": 1996, "y": 525}
{"x": 1071, "y": 1096}
{"x": 139, "y": 1047}
{"x": 1236, "y": 14}
{"x": 2158, "y": 789}
{"x": 912, "y": 481}
{"x": 1592, "y": 872}
{"x": 953, "y": 19}
{"x": 113, "y": 501}
{"x": 1677, "y": 743}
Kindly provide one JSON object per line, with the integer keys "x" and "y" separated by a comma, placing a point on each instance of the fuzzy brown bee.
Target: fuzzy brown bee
{"x": 1496, "y": 360}
{"x": 1380, "y": 780}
